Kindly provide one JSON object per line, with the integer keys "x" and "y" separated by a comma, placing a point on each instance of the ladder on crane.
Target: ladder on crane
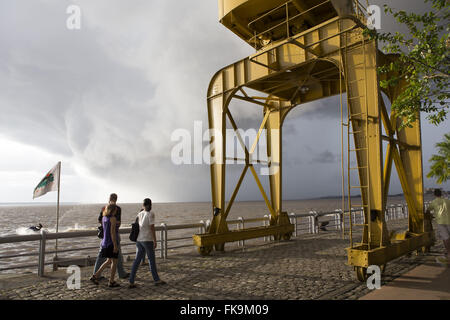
{"x": 357, "y": 140}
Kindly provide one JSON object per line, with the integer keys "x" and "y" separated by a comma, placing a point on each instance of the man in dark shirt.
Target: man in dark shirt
{"x": 100, "y": 260}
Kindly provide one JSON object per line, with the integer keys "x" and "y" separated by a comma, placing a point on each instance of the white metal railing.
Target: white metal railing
{"x": 304, "y": 223}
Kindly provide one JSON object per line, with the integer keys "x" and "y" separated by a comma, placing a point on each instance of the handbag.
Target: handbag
{"x": 134, "y": 230}
{"x": 100, "y": 232}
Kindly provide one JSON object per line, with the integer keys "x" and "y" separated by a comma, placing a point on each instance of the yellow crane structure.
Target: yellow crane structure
{"x": 306, "y": 50}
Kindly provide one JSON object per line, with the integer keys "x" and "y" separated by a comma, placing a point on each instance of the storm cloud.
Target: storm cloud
{"x": 109, "y": 96}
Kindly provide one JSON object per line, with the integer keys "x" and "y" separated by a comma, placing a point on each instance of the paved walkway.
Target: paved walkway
{"x": 429, "y": 281}
{"x": 308, "y": 267}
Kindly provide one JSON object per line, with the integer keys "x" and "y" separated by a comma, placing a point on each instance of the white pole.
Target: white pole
{"x": 57, "y": 209}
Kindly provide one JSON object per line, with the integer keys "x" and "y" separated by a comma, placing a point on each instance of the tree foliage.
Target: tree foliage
{"x": 424, "y": 61}
{"x": 440, "y": 163}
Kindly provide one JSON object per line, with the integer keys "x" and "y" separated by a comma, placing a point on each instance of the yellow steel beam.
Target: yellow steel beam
{"x": 238, "y": 22}
{"x": 412, "y": 163}
{"x": 274, "y": 126}
{"x": 389, "y": 123}
{"x": 410, "y": 155}
{"x": 241, "y": 141}
{"x": 362, "y": 257}
{"x": 236, "y": 190}
{"x": 405, "y": 186}
{"x": 261, "y": 189}
{"x": 216, "y": 117}
{"x": 302, "y": 7}
{"x": 205, "y": 240}
{"x": 399, "y": 143}
{"x": 387, "y": 171}
{"x": 248, "y": 99}
{"x": 364, "y": 115}
{"x": 261, "y": 127}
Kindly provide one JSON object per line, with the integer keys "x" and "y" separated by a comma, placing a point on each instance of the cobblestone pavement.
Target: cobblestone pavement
{"x": 307, "y": 267}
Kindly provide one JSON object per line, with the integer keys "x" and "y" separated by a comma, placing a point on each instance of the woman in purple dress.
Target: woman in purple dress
{"x": 109, "y": 250}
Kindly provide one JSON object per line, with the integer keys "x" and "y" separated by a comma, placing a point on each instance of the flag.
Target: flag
{"x": 49, "y": 182}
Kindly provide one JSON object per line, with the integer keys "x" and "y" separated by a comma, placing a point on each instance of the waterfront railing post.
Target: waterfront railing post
{"x": 166, "y": 250}
{"x": 338, "y": 218}
{"x": 238, "y": 227}
{"x": 266, "y": 218}
{"x": 316, "y": 223}
{"x": 202, "y": 228}
{"x": 293, "y": 220}
{"x": 336, "y": 221}
{"x": 241, "y": 226}
{"x": 41, "y": 265}
{"x": 311, "y": 224}
{"x": 164, "y": 241}
{"x": 161, "y": 253}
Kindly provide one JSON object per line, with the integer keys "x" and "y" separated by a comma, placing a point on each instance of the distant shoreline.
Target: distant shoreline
{"x": 12, "y": 204}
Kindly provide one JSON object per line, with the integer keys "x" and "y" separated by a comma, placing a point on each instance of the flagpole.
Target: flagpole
{"x": 57, "y": 214}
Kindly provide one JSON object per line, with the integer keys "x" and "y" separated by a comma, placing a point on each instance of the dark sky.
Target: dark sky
{"x": 106, "y": 99}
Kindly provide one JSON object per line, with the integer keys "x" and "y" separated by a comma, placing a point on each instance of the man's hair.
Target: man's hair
{"x": 437, "y": 193}
{"x": 113, "y": 197}
{"x": 147, "y": 202}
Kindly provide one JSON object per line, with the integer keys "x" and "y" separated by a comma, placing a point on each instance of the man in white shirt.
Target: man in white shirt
{"x": 146, "y": 243}
{"x": 441, "y": 209}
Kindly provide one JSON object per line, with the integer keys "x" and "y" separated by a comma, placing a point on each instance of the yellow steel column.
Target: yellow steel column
{"x": 412, "y": 163}
{"x": 363, "y": 100}
{"x": 410, "y": 160}
{"x": 217, "y": 109}
{"x": 273, "y": 127}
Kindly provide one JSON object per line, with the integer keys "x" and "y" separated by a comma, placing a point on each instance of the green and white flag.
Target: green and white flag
{"x": 49, "y": 183}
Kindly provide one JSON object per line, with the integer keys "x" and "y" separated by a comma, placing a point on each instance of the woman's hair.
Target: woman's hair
{"x": 147, "y": 203}
{"x": 109, "y": 210}
{"x": 113, "y": 197}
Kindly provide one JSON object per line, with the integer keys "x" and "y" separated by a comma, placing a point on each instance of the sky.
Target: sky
{"x": 106, "y": 99}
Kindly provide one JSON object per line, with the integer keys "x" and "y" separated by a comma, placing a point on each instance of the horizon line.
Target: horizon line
{"x": 200, "y": 201}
